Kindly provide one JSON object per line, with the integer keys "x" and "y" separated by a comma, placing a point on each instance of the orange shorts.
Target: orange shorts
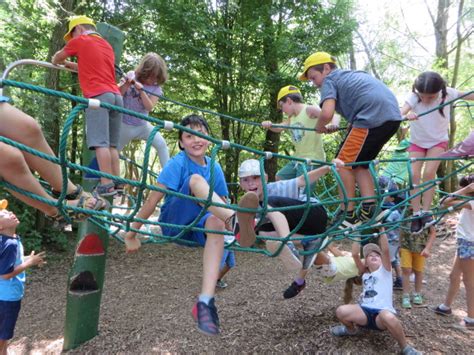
{"x": 411, "y": 260}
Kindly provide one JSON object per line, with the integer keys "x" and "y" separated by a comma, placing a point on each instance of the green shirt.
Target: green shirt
{"x": 397, "y": 171}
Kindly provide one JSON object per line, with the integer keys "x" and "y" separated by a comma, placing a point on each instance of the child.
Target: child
{"x": 16, "y": 165}
{"x": 373, "y": 115}
{"x": 279, "y": 224}
{"x": 414, "y": 249}
{"x": 95, "y": 66}
{"x": 375, "y": 310}
{"x": 463, "y": 265}
{"x": 428, "y": 137}
{"x": 227, "y": 263}
{"x": 150, "y": 74}
{"x": 308, "y": 144}
{"x": 12, "y": 274}
{"x": 463, "y": 149}
{"x": 397, "y": 171}
{"x": 189, "y": 173}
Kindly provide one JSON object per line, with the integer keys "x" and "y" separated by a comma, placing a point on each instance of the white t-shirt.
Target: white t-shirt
{"x": 465, "y": 229}
{"x": 432, "y": 128}
{"x": 377, "y": 292}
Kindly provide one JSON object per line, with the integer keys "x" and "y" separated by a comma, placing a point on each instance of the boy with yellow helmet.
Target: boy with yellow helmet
{"x": 373, "y": 115}
{"x": 95, "y": 66}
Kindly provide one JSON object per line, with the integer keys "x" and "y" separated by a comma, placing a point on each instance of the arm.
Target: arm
{"x": 468, "y": 97}
{"x": 426, "y": 252}
{"x": 383, "y": 243}
{"x": 450, "y": 200}
{"x": 313, "y": 111}
{"x": 326, "y": 115}
{"x": 32, "y": 260}
{"x": 335, "y": 250}
{"x": 268, "y": 125}
{"x": 124, "y": 85}
{"x": 355, "y": 251}
{"x": 279, "y": 222}
{"x": 148, "y": 101}
{"x": 405, "y": 111}
{"x": 60, "y": 58}
{"x": 315, "y": 174}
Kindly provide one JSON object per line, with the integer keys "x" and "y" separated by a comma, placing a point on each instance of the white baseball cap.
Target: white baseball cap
{"x": 250, "y": 167}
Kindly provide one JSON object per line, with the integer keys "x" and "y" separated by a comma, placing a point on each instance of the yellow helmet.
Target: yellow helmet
{"x": 315, "y": 59}
{"x": 77, "y": 20}
{"x": 3, "y": 204}
{"x": 290, "y": 89}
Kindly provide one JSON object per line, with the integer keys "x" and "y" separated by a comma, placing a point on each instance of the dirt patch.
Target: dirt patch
{"x": 147, "y": 301}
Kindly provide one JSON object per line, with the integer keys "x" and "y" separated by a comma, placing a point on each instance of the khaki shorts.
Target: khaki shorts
{"x": 412, "y": 260}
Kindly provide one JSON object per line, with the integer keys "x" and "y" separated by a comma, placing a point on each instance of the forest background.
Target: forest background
{"x": 231, "y": 57}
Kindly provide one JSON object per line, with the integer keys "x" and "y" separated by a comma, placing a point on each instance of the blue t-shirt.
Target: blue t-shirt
{"x": 11, "y": 255}
{"x": 360, "y": 98}
{"x": 176, "y": 172}
{"x": 4, "y": 98}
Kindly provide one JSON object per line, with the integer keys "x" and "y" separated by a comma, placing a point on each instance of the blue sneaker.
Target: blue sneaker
{"x": 206, "y": 317}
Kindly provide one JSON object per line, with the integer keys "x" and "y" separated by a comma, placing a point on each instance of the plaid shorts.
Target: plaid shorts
{"x": 465, "y": 249}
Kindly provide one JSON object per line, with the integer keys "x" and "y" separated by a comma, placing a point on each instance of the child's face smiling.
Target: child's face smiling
{"x": 194, "y": 146}
{"x": 252, "y": 183}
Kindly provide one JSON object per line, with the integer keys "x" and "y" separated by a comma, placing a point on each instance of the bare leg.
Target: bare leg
{"x": 348, "y": 179}
{"x": 406, "y": 280}
{"x": 104, "y": 158}
{"x": 3, "y": 347}
{"x": 115, "y": 159}
{"x": 388, "y": 320}
{"x": 416, "y": 167}
{"x": 351, "y": 315}
{"x": 213, "y": 251}
{"x": 418, "y": 281}
{"x": 429, "y": 174}
{"x": 365, "y": 182}
{"x": 454, "y": 282}
{"x": 467, "y": 267}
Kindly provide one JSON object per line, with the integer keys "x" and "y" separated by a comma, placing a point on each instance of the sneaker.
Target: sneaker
{"x": 221, "y": 284}
{"x": 308, "y": 260}
{"x": 206, "y": 317}
{"x": 417, "y": 299}
{"x": 410, "y": 350}
{"x": 293, "y": 290}
{"x": 341, "y": 330}
{"x": 406, "y": 302}
{"x": 397, "y": 284}
{"x": 427, "y": 220}
{"x": 416, "y": 226}
{"x": 246, "y": 219}
{"x": 443, "y": 312}
{"x": 350, "y": 221}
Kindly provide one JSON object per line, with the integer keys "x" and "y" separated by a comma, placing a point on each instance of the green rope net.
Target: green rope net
{"x": 115, "y": 223}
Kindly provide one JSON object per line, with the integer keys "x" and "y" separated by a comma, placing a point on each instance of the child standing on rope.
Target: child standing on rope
{"x": 463, "y": 265}
{"x": 95, "y": 66}
{"x": 279, "y": 223}
{"x": 428, "y": 137}
{"x": 16, "y": 165}
{"x": 189, "y": 173}
{"x": 150, "y": 75}
{"x": 375, "y": 310}
{"x": 373, "y": 115}
{"x": 308, "y": 144}
{"x": 12, "y": 274}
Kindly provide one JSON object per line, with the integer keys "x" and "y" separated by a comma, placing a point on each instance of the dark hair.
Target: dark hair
{"x": 192, "y": 121}
{"x": 430, "y": 82}
{"x": 320, "y": 67}
{"x": 466, "y": 180}
{"x": 294, "y": 97}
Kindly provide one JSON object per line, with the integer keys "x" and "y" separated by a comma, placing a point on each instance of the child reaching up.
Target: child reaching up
{"x": 375, "y": 310}
{"x": 189, "y": 173}
{"x": 428, "y": 138}
{"x": 12, "y": 274}
{"x": 150, "y": 74}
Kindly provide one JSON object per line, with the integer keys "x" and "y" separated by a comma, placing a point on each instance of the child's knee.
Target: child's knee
{"x": 215, "y": 223}
{"x": 196, "y": 180}
{"x": 11, "y": 156}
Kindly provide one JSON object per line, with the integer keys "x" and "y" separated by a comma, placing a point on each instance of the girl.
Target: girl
{"x": 429, "y": 137}
{"x": 150, "y": 74}
{"x": 464, "y": 260}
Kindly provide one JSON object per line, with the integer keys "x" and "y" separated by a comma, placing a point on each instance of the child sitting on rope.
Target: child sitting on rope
{"x": 308, "y": 144}
{"x": 16, "y": 166}
{"x": 189, "y": 173}
{"x": 374, "y": 117}
{"x": 95, "y": 66}
{"x": 375, "y": 310}
{"x": 279, "y": 223}
{"x": 12, "y": 274}
{"x": 428, "y": 137}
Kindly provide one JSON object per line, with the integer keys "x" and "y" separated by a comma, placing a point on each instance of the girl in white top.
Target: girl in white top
{"x": 428, "y": 137}
{"x": 463, "y": 265}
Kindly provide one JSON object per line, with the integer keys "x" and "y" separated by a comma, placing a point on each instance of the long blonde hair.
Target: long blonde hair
{"x": 152, "y": 65}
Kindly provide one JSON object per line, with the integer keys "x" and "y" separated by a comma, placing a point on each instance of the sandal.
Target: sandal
{"x": 119, "y": 187}
{"x": 70, "y": 197}
{"x": 106, "y": 190}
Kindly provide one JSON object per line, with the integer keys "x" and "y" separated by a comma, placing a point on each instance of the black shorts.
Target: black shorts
{"x": 364, "y": 144}
{"x": 315, "y": 222}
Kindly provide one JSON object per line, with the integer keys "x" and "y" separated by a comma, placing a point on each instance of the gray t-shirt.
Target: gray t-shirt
{"x": 360, "y": 98}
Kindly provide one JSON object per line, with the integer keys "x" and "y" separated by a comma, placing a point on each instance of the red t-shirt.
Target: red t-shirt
{"x": 95, "y": 60}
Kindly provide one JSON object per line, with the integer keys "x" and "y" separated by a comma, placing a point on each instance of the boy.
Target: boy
{"x": 95, "y": 66}
{"x": 373, "y": 115}
{"x": 189, "y": 173}
{"x": 375, "y": 310}
{"x": 278, "y": 224}
{"x": 12, "y": 274}
{"x": 308, "y": 144}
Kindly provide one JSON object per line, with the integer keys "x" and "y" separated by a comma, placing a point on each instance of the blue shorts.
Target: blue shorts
{"x": 371, "y": 315}
{"x": 188, "y": 211}
{"x": 9, "y": 311}
{"x": 465, "y": 249}
{"x": 4, "y": 99}
{"x": 228, "y": 259}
